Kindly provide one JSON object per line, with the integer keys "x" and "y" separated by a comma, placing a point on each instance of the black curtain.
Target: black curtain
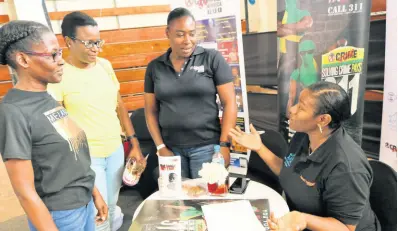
{"x": 375, "y": 81}
{"x": 260, "y": 53}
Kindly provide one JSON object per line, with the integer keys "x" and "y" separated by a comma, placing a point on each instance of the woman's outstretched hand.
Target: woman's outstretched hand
{"x": 292, "y": 221}
{"x": 250, "y": 141}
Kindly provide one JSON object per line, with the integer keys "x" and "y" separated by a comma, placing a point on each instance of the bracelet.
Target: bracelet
{"x": 225, "y": 144}
{"x": 131, "y": 137}
{"x": 160, "y": 146}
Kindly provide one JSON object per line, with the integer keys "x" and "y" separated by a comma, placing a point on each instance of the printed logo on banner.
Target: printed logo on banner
{"x": 391, "y": 97}
{"x": 392, "y": 147}
{"x": 392, "y": 121}
{"x": 339, "y": 7}
{"x": 189, "y": 3}
{"x": 199, "y": 3}
{"x": 212, "y": 6}
{"x": 343, "y": 66}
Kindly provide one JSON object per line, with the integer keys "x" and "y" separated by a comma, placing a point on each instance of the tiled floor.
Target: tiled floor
{"x": 12, "y": 216}
{"x": 9, "y": 204}
{"x": 17, "y": 223}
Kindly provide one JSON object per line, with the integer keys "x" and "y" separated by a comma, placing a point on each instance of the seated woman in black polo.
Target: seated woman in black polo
{"x": 325, "y": 175}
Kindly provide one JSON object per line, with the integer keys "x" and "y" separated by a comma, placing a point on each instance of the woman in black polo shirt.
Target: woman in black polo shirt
{"x": 325, "y": 175}
{"x": 180, "y": 97}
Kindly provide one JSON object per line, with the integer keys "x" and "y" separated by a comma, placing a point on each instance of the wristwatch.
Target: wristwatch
{"x": 225, "y": 144}
{"x": 131, "y": 137}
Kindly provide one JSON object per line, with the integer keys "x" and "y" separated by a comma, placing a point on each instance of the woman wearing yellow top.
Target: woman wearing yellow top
{"x": 89, "y": 91}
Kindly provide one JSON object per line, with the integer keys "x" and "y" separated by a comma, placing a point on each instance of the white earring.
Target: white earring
{"x": 320, "y": 128}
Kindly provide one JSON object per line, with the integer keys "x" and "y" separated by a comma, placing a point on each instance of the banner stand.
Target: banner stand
{"x": 388, "y": 141}
{"x": 324, "y": 40}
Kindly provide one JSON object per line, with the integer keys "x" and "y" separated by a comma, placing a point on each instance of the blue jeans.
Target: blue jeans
{"x": 108, "y": 180}
{"x": 81, "y": 219}
{"x": 193, "y": 158}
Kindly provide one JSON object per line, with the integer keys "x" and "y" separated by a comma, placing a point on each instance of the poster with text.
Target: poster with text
{"x": 322, "y": 40}
{"x": 219, "y": 27}
{"x": 388, "y": 140}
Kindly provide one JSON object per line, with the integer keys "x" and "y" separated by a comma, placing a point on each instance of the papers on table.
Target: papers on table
{"x": 231, "y": 216}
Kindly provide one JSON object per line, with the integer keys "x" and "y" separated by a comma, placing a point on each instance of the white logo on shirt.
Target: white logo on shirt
{"x": 199, "y": 69}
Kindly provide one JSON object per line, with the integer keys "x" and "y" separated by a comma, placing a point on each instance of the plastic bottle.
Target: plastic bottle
{"x": 218, "y": 157}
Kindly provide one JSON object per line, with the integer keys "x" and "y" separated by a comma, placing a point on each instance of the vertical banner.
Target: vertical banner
{"x": 388, "y": 142}
{"x": 219, "y": 27}
{"x": 322, "y": 40}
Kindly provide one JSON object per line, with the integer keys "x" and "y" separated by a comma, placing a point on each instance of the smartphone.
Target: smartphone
{"x": 239, "y": 186}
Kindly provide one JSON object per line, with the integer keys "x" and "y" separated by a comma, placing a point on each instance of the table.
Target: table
{"x": 254, "y": 190}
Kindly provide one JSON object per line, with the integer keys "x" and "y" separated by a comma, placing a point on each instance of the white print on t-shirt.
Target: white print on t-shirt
{"x": 67, "y": 128}
{"x": 199, "y": 69}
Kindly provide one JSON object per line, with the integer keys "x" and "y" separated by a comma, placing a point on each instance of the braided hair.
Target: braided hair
{"x": 19, "y": 35}
{"x": 74, "y": 20}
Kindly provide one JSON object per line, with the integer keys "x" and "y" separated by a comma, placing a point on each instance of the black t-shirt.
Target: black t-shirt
{"x": 188, "y": 112}
{"x": 35, "y": 127}
{"x": 334, "y": 181}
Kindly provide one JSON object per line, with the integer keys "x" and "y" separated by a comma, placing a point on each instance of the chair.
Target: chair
{"x": 383, "y": 195}
{"x": 147, "y": 184}
{"x": 258, "y": 169}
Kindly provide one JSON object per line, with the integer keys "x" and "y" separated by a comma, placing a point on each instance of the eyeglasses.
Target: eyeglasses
{"x": 56, "y": 55}
{"x": 90, "y": 44}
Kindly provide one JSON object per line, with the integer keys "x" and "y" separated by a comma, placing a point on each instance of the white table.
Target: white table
{"x": 254, "y": 190}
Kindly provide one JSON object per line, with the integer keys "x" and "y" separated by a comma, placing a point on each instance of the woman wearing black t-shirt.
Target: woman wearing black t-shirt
{"x": 325, "y": 175}
{"x": 46, "y": 155}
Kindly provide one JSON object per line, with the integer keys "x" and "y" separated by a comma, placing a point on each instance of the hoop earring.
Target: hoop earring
{"x": 320, "y": 128}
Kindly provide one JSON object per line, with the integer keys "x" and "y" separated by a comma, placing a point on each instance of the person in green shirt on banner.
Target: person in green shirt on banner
{"x": 292, "y": 25}
{"x": 305, "y": 75}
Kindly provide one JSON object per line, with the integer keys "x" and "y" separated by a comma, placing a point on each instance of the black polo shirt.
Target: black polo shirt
{"x": 334, "y": 181}
{"x": 188, "y": 112}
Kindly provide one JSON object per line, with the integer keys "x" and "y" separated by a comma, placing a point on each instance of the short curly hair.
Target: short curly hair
{"x": 19, "y": 35}
{"x": 74, "y": 20}
{"x": 178, "y": 13}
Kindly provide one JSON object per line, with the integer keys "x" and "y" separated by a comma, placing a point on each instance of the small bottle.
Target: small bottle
{"x": 218, "y": 157}
{"x": 218, "y": 188}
